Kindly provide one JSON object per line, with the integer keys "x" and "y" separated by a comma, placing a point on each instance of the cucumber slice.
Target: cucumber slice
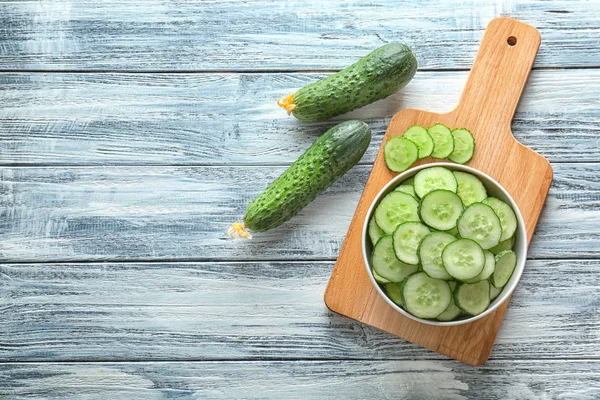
{"x": 394, "y": 293}
{"x": 443, "y": 142}
{"x": 463, "y": 259}
{"x": 407, "y": 238}
{"x": 473, "y": 298}
{"x": 440, "y": 209}
{"x": 506, "y": 262}
{"x": 480, "y": 223}
{"x": 508, "y": 219}
{"x": 450, "y": 313}
{"x": 400, "y": 153}
{"x": 385, "y": 263}
{"x": 409, "y": 181}
{"x": 434, "y": 178}
{"x": 378, "y": 278}
{"x": 464, "y": 146}
{"x": 395, "y": 209}
{"x": 494, "y": 292}
{"x": 505, "y": 245}
{"x": 430, "y": 254}
{"x": 419, "y": 136}
{"x": 470, "y": 189}
{"x": 488, "y": 268}
{"x": 375, "y": 232}
{"x": 452, "y": 285}
{"x": 425, "y": 297}
{"x": 454, "y": 232}
{"x": 408, "y": 189}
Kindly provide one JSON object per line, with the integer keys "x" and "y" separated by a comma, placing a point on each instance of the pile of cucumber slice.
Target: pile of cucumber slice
{"x": 442, "y": 249}
{"x": 438, "y": 141}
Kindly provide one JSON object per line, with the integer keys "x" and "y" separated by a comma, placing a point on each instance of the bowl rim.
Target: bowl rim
{"x": 510, "y": 286}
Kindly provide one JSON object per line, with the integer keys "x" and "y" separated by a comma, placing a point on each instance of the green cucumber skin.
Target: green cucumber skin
{"x": 375, "y": 76}
{"x": 329, "y": 157}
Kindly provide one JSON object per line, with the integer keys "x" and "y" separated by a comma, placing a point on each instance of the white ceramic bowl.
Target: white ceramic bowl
{"x": 494, "y": 189}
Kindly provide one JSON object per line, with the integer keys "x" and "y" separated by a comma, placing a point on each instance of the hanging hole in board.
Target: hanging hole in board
{"x": 511, "y": 40}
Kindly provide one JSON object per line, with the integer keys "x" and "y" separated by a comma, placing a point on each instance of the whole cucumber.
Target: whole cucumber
{"x": 375, "y": 76}
{"x": 329, "y": 157}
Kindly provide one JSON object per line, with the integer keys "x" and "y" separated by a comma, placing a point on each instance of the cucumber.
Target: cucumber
{"x": 385, "y": 263}
{"x": 400, "y": 153}
{"x": 504, "y": 245}
{"x": 463, "y": 259}
{"x": 440, "y": 209}
{"x": 452, "y": 285}
{"x": 443, "y": 142}
{"x": 508, "y": 219}
{"x": 393, "y": 292}
{"x": 464, "y": 146}
{"x": 480, "y": 223}
{"x": 433, "y": 178}
{"x": 407, "y": 238}
{"x": 375, "y": 232}
{"x": 494, "y": 292}
{"x": 451, "y": 312}
{"x": 395, "y": 209}
{"x": 424, "y": 296}
{"x": 330, "y": 156}
{"x": 473, "y": 298}
{"x": 488, "y": 268}
{"x": 379, "y": 278}
{"x": 419, "y": 136}
{"x": 430, "y": 254}
{"x": 375, "y": 76}
{"x": 470, "y": 189}
{"x": 454, "y": 232}
{"x": 408, "y": 189}
{"x": 409, "y": 181}
{"x": 505, "y": 265}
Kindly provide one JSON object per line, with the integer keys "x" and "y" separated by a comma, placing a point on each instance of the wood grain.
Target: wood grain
{"x": 486, "y": 108}
{"x": 536, "y": 379}
{"x": 223, "y": 119}
{"x": 259, "y": 35}
{"x": 181, "y": 213}
{"x": 257, "y": 311}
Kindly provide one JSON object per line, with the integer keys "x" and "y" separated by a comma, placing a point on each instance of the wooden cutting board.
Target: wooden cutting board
{"x": 486, "y": 108}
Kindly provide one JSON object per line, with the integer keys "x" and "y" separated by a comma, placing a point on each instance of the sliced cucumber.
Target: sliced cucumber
{"x": 385, "y": 263}
{"x": 464, "y": 146}
{"x": 408, "y": 189}
{"x": 407, "y": 238}
{"x": 409, "y": 181}
{"x": 430, "y": 254}
{"x": 480, "y": 223}
{"x": 470, "y": 189}
{"x": 443, "y": 142}
{"x": 375, "y": 232}
{"x": 394, "y": 293}
{"x": 473, "y": 298}
{"x": 508, "y": 219}
{"x": 506, "y": 262}
{"x": 505, "y": 245}
{"x": 440, "y": 209}
{"x": 494, "y": 292}
{"x": 400, "y": 153}
{"x": 450, "y": 313}
{"x": 454, "y": 232}
{"x": 378, "y": 278}
{"x": 419, "y": 136}
{"x": 394, "y": 209}
{"x": 434, "y": 178}
{"x": 488, "y": 268}
{"x": 452, "y": 285}
{"x": 425, "y": 297}
{"x": 463, "y": 259}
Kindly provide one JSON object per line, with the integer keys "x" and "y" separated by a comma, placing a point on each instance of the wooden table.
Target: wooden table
{"x": 133, "y": 133}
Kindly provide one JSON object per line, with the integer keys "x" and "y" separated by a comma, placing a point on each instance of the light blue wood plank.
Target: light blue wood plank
{"x": 258, "y": 35}
{"x": 223, "y": 119}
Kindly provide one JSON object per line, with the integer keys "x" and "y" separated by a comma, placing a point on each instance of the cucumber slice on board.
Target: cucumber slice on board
{"x": 419, "y": 136}
{"x": 393, "y": 290}
{"x": 480, "y": 223}
{"x": 386, "y": 264}
{"x": 440, "y": 209}
{"x": 407, "y": 238}
{"x": 463, "y": 259}
{"x": 424, "y": 296}
{"x": 470, "y": 189}
{"x": 508, "y": 219}
{"x": 464, "y": 146}
{"x": 400, "y": 153}
{"x": 375, "y": 232}
{"x": 378, "y": 278}
{"x": 395, "y": 209}
{"x": 430, "y": 254}
{"x": 505, "y": 245}
{"x": 505, "y": 265}
{"x": 473, "y": 298}
{"x": 450, "y": 313}
{"x": 443, "y": 142}
{"x": 488, "y": 268}
{"x": 494, "y": 292}
{"x": 434, "y": 178}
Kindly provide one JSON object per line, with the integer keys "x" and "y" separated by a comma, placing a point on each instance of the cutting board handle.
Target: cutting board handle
{"x": 500, "y": 72}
